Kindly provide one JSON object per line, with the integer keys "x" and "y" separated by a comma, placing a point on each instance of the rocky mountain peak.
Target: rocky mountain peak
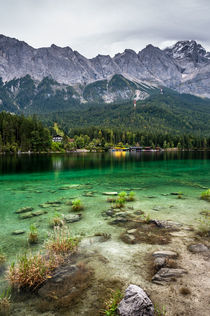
{"x": 179, "y": 67}
{"x": 190, "y": 50}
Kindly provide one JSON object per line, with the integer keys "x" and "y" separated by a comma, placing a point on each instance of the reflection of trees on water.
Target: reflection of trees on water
{"x": 81, "y": 161}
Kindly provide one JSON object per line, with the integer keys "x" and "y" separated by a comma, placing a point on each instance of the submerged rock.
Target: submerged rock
{"x": 39, "y": 213}
{"x": 32, "y": 214}
{"x": 166, "y": 224}
{"x": 110, "y": 212}
{"x": 132, "y": 231}
{"x": 24, "y": 210}
{"x": 157, "y": 208}
{"x": 44, "y": 205}
{"x": 89, "y": 194}
{"x": 196, "y": 248}
{"x": 135, "y": 303}
{"x": 65, "y": 286}
{"x": 71, "y": 218}
{"x": 129, "y": 239}
{"x": 159, "y": 263}
{"x": 54, "y": 202}
{"x": 165, "y": 253}
{"x": 167, "y": 275}
{"x": 18, "y": 232}
{"x": 26, "y": 215}
{"x": 119, "y": 221}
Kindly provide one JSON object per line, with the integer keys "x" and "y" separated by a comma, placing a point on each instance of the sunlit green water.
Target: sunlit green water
{"x": 33, "y": 180}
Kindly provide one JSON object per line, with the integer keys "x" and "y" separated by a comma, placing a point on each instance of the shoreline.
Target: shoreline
{"x": 78, "y": 151}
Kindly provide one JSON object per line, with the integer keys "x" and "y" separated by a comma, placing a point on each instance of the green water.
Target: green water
{"x": 33, "y": 180}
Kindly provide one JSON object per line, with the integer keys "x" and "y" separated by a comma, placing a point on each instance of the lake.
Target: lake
{"x": 167, "y": 186}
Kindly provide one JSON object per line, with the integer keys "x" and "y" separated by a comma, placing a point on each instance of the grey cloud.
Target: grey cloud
{"x": 105, "y": 26}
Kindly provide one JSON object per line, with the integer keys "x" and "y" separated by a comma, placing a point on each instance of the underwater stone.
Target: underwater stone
{"x": 32, "y": 214}
{"x": 119, "y": 220}
{"x": 110, "y": 213}
{"x": 130, "y": 239}
{"x": 54, "y": 203}
{"x": 26, "y": 215}
{"x": 89, "y": 194}
{"x": 159, "y": 262}
{"x": 196, "y": 248}
{"x": 135, "y": 303}
{"x": 24, "y": 210}
{"x": 71, "y": 218}
{"x": 166, "y": 224}
{"x": 132, "y": 231}
{"x": 18, "y": 232}
{"x": 44, "y": 205}
{"x": 39, "y": 213}
{"x": 165, "y": 253}
{"x": 157, "y": 208}
{"x": 167, "y": 275}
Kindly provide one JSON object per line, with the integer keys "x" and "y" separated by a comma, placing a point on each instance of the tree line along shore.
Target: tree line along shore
{"x": 27, "y": 134}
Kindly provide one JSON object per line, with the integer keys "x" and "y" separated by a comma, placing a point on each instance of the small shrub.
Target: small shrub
{"x": 131, "y": 196}
{"x": 5, "y": 302}
{"x": 32, "y": 270}
{"x": 159, "y": 311}
{"x": 77, "y": 205}
{"x": 33, "y": 234}
{"x": 147, "y": 218}
{"x": 122, "y": 194}
{"x": 206, "y": 195}
{"x": 2, "y": 257}
{"x": 61, "y": 242}
{"x": 204, "y": 226}
{"x": 120, "y": 202}
{"x": 56, "y": 220}
{"x": 112, "y": 303}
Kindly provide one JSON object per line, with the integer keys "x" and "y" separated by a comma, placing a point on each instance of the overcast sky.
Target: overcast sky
{"x": 105, "y": 26}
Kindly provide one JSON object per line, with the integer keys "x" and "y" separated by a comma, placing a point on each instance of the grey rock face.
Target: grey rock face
{"x": 160, "y": 65}
{"x": 135, "y": 303}
{"x": 184, "y": 67}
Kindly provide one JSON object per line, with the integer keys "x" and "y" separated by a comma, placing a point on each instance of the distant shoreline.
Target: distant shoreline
{"x": 79, "y": 151}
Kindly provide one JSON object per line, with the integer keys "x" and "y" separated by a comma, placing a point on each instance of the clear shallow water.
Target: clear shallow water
{"x": 35, "y": 179}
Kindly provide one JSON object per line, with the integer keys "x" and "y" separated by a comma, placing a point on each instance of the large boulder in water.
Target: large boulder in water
{"x": 135, "y": 303}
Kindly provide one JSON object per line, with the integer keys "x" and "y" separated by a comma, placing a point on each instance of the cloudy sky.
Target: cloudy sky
{"x": 105, "y": 26}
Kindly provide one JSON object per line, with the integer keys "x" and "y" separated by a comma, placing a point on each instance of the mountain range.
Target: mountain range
{"x": 184, "y": 67}
{"x": 171, "y": 87}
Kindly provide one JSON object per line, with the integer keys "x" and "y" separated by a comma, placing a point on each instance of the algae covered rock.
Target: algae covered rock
{"x": 32, "y": 214}
{"x": 24, "y": 210}
{"x": 135, "y": 303}
{"x": 71, "y": 218}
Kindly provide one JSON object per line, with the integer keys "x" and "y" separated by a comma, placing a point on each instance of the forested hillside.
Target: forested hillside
{"x": 169, "y": 112}
{"x": 20, "y": 133}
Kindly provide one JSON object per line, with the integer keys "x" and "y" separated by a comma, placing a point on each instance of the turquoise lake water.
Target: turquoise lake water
{"x": 32, "y": 180}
